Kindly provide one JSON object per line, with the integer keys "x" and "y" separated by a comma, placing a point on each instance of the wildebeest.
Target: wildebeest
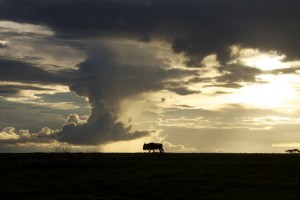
{"x": 292, "y": 151}
{"x": 153, "y": 146}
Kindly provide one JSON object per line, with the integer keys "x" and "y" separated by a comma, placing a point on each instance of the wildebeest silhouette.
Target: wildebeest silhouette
{"x": 153, "y": 146}
{"x": 292, "y": 151}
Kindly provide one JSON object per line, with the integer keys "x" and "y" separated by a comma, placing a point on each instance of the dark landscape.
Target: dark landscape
{"x": 149, "y": 176}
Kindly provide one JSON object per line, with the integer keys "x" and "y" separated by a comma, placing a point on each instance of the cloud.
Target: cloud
{"x": 106, "y": 77}
{"x": 20, "y": 71}
{"x": 3, "y": 45}
{"x": 292, "y": 144}
{"x": 14, "y": 90}
{"x": 23, "y": 29}
{"x": 22, "y": 114}
{"x": 184, "y": 91}
{"x": 75, "y": 119}
{"x": 106, "y": 81}
{"x": 168, "y": 147}
{"x": 45, "y": 140}
{"x": 225, "y": 85}
{"x": 233, "y": 73}
{"x": 103, "y": 129}
{"x": 189, "y": 26}
{"x": 9, "y": 135}
{"x": 229, "y": 117}
{"x": 37, "y": 45}
{"x": 290, "y": 70}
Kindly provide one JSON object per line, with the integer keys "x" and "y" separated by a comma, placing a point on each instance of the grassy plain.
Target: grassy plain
{"x": 149, "y": 176}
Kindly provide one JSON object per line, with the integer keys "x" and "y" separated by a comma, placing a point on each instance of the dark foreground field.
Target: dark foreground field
{"x": 149, "y": 176}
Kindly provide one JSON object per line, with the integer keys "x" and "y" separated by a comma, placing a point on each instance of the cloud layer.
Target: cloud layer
{"x": 196, "y": 28}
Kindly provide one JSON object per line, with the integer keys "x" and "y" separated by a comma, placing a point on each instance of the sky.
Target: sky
{"x": 111, "y": 75}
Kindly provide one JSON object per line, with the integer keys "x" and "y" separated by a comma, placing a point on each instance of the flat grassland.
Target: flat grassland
{"x": 149, "y": 176}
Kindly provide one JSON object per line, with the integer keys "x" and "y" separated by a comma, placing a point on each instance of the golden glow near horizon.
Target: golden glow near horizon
{"x": 274, "y": 94}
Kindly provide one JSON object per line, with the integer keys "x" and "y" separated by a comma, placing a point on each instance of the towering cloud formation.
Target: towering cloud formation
{"x": 106, "y": 81}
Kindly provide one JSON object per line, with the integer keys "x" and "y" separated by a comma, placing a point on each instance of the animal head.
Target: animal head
{"x": 144, "y": 146}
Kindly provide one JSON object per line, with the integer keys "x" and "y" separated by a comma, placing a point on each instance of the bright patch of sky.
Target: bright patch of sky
{"x": 37, "y": 45}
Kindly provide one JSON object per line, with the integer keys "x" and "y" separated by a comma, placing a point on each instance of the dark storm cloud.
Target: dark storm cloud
{"x": 231, "y": 75}
{"x": 11, "y": 90}
{"x": 20, "y": 71}
{"x": 226, "y": 85}
{"x": 184, "y": 91}
{"x": 237, "y": 73}
{"x": 99, "y": 129}
{"x": 8, "y": 91}
{"x": 196, "y": 28}
{"x": 102, "y": 77}
{"x": 63, "y": 97}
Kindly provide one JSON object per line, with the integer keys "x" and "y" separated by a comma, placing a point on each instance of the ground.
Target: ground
{"x": 149, "y": 176}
